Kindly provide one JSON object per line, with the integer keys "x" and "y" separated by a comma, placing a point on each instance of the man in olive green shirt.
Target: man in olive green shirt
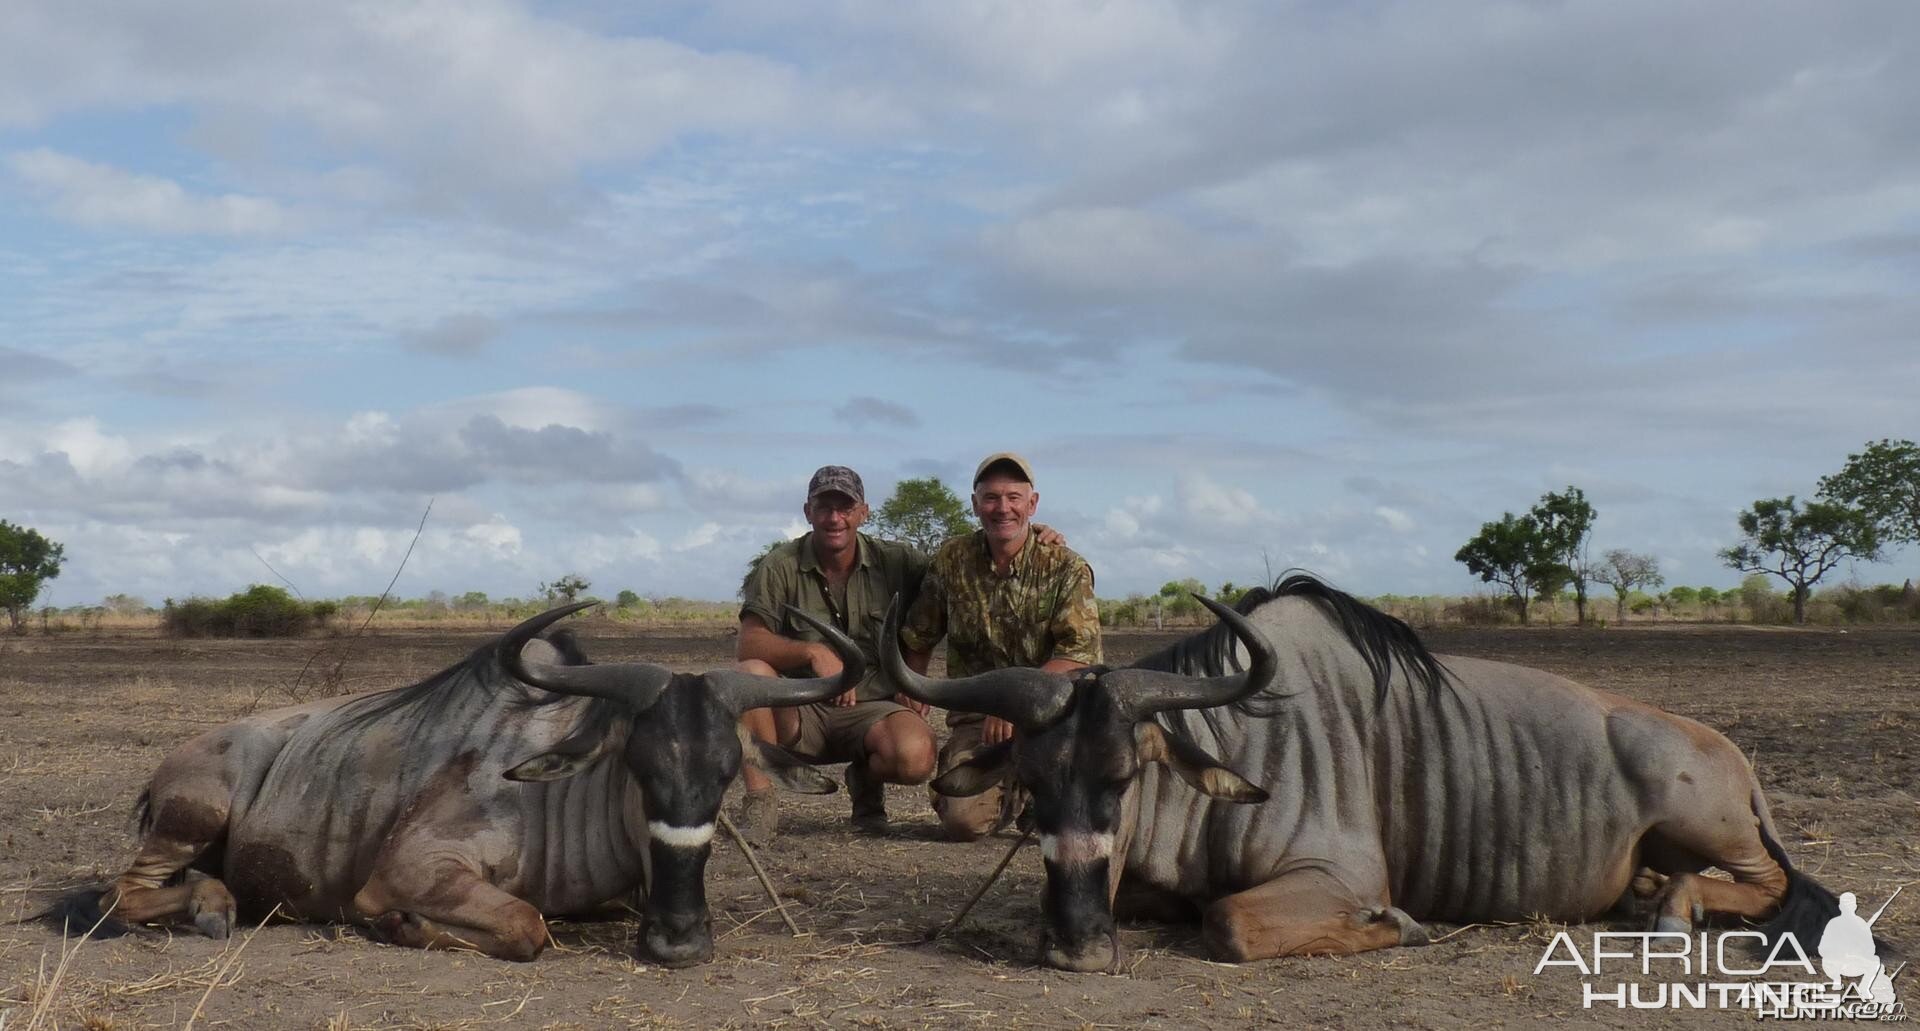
{"x": 846, "y": 578}
{"x": 1002, "y": 597}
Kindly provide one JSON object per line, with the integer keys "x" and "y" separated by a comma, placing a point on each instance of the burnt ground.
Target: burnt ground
{"x": 1828, "y": 716}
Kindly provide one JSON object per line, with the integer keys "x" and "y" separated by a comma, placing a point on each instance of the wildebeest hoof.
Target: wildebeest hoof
{"x": 390, "y": 927}
{"x": 1412, "y": 932}
{"x": 1672, "y": 924}
{"x": 214, "y": 924}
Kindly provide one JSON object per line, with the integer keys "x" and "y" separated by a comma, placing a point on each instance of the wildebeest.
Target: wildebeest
{"x": 455, "y": 812}
{"x": 1393, "y": 786}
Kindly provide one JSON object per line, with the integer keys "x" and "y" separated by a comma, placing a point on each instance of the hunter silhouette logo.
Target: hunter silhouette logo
{"x": 1709, "y": 970}
{"x": 1848, "y": 952}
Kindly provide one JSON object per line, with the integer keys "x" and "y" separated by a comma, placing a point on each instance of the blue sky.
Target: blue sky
{"x": 1308, "y": 284}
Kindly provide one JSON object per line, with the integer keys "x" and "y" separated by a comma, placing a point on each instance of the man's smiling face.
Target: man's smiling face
{"x": 1005, "y": 506}
{"x": 834, "y": 518}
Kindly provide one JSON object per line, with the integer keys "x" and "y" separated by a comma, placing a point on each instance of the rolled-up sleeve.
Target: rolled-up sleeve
{"x": 767, "y": 591}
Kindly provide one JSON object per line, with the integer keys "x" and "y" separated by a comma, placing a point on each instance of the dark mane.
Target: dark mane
{"x": 428, "y": 701}
{"x": 1382, "y": 641}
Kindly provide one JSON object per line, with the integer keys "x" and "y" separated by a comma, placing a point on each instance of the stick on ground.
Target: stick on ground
{"x": 982, "y": 890}
{"x": 754, "y": 861}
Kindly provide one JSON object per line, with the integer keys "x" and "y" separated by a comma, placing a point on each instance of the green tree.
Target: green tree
{"x": 1623, "y": 571}
{"x": 1565, "y": 525}
{"x": 1515, "y": 554}
{"x": 27, "y": 562}
{"x": 566, "y": 589}
{"x": 1801, "y": 545}
{"x": 1176, "y": 598}
{"x": 472, "y": 601}
{"x": 626, "y": 600}
{"x": 921, "y": 513}
{"x": 1884, "y": 482}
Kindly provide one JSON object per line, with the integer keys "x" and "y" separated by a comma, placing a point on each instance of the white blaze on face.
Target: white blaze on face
{"x": 679, "y": 837}
{"x": 1076, "y": 848}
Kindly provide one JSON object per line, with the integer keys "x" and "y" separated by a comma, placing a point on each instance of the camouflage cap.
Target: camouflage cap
{"x": 829, "y": 478}
{"x": 1024, "y": 471}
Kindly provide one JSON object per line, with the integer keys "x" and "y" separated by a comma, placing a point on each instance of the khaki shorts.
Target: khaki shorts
{"x": 838, "y": 733}
{"x": 974, "y": 815}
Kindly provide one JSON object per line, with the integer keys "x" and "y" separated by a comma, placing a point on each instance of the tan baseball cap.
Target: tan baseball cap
{"x": 829, "y": 478}
{"x": 1003, "y": 458}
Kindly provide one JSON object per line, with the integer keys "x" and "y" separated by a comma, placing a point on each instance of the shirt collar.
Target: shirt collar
{"x": 1022, "y": 559}
{"x": 862, "y": 553}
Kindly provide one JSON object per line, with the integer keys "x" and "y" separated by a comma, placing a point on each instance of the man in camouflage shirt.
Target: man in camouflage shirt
{"x": 1002, "y": 598}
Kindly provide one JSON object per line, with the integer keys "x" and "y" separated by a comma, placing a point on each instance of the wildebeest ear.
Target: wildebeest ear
{"x": 579, "y": 751}
{"x": 1194, "y": 765}
{"x": 784, "y": 768}
{"x": 983, "y": 770}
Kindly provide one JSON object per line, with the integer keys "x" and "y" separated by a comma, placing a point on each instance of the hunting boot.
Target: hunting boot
{"x": 759, "y": 816}
{"x": 869, "y": 798}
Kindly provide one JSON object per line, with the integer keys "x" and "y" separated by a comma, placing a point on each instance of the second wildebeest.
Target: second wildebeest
{"x": 456, "y": 812}
{"x": 1383, "y": 785}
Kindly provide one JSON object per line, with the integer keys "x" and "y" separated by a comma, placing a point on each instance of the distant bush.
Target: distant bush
{"x": 1762, "y": 602}
{"x": 1885, "y": 603}
{"x": 1134, "y": 610}
{"x": 259, "y": 611}
{"x": 1482, "y": 610}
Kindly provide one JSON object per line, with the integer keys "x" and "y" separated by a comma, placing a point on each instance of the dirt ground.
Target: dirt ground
{"x": 1829, "y": 718}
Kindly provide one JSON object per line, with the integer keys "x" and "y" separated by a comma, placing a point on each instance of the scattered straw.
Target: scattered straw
{"x": 221, "y": 976}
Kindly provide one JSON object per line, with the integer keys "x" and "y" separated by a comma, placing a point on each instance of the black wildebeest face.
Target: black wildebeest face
{"x": 683, "y": 748}
{"x": 1079, "y": 742}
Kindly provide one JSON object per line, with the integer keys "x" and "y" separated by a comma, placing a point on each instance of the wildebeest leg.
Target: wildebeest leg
{"x": 183, "y": 827}
{"x": 1733, "y": 845}
{"x": 447, "y": 905}
{"x": 1137, "y": 901}
{"x": 1306, "y": 912}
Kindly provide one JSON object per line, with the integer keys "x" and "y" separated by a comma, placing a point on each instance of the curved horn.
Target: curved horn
{"x": 743, "y": 691}
{"x": 635, "y": 683}
{"x": 1026, "y": 698}
{"x": 1143, "y": 692}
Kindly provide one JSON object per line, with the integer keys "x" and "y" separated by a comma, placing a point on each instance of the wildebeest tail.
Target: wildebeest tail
{"x": 79, "y": 914}
{"x": 1808, "y": 904}
{"x": 143, "y": 810}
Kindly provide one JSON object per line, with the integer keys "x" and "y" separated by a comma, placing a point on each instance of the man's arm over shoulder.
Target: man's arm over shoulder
{"x": 1075, "y": 627}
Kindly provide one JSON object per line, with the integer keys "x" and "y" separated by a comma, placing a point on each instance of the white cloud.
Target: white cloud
{"x": 698, "y": 537}
{"x": 105, "y": 197}
{"x": 1223, "y": 504}
{"x": 1396, "y": 520}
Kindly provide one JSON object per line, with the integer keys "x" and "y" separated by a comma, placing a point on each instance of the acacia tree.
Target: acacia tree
{"x": 27, "y": 562}
{"x": 1623, "y": 571}
{"x": 1801, "y": 545}
{"x": 1565, "y": 525}
{"x": 921, "y": 513}
{"x": 1512, "y": 553}
{"x": 567, "y": 588}
{"x": 1883, "y": 481}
